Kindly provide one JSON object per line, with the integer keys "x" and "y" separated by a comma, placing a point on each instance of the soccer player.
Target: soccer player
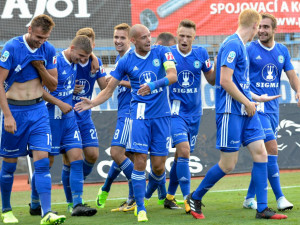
{"x": 150, "y": 70}
{"x": 122, "y": 160}
{"x": 236, "y": 118}
{"x": 27, "y": 63}
{"x": 165, "y": 39}
{"x": 267, "y": 60}
{"x": 84, "y": 88}
{"x": 185, "y": 96}
{"x": 66, "y": 137}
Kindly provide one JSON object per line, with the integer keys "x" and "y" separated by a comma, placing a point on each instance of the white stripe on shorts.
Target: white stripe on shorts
{"x": 124, "y": 136}
{"x": 224, "y": 130}
{"x": 1, "y": 121}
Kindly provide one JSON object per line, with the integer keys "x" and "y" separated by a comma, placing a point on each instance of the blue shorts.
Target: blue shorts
{"x": 269, "y": 122}
{"x": 121, "y": 135}
{"x": 185, "y": 129}
{"x": 151, "y": 135}
{"x": 65, "y": 135}
{"x": 33, "y": 130}
{"x": 88, "y": 133}
{"x": 234, "y": 130}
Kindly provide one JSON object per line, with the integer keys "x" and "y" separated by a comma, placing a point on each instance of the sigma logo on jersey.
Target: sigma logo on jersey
{"x": 54, "y": 60}
{"x": 4, "y": 56}
{"x": 86, "y": 86}
{"x": 186, "y": 78}
{"x": 69, "y": 83}
{"x": 156, "y": 62}
{"x": 231, "y": 56}
{"x": 169, "y": 56}
{"x": 269, "y": 72}
{"x": 281, "y": 59}
{"x": 197, "y": 64}
{"x": 147, "y": 77}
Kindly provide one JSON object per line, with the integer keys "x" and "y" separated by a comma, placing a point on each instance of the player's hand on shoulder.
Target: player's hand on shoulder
{"x": 85, "y": 104}
{"x": 144, "y": 90}
{"x": 10, "y": 125}
{"x": 65, "y": 108}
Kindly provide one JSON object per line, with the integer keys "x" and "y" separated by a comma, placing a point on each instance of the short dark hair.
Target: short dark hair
{"x": 165, "y": 38}
{"x": 187, "y": 23}
{"x": 43, "y": 21}
{"x": 270, "y": 16}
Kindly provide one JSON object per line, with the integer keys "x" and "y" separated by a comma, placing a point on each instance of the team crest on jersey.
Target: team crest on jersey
{"x": 147, "y": 77}
{"x": 156, "y": 62}
{"x": 270, "y": 72}
{"x": 169, "y": 56}
{"x": 197, "y": 64}
{"x": 86, "y": 86}
{"x": 281, "y": 59}
{"x": 186, "y": 78}
{"x": 54, "y": 60}
{"x": 231, "y": 56}
{"x": 69, "y": 83}
{"x": 4, "y": 56}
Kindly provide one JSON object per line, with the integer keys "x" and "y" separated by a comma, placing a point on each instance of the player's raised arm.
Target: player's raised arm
{"x": 103, "y": 96}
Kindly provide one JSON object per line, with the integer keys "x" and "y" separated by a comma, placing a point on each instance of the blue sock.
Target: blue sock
{"x": 173, "y": 183}
{"x": 35, "y": 199}
{"x": 251, "y": 189}
{"x": 65, "y": 177}
{"x": 212, "y": 176}
{"x": 131, "y": 193}
{"x": 184, "y": 175}
{"x": 127, "y": 167}
{"x": 154, "y": 181}
{"x": 138, "y": 179}
{"x": 6, "y": 181}
{"x": 273, "y": 175}
{"x": 43, "y": 183}
{"x": 260, "y": 174}
{"x": 113, "y": 172}
{"x": 162, "y": 191}
{"x": 87, "y": 168}
{"x": 76, "y": 181}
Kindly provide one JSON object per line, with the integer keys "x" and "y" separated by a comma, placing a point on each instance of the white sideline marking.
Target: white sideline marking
{"x": 113, "y": 199}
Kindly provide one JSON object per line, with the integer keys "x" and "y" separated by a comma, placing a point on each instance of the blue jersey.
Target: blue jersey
{"x": 16, "y": 56}
{"x": 86, "y": 78}
{"x": 124, "y": 97}
{"x": 233, "y": 54}
{"x": 66, "y": 83}
{"x": 187, "y": 90}
{"x": 266, "y": 65}
{"x": 141, "y": 70}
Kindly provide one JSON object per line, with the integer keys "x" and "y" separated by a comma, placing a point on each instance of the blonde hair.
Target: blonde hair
{"x": 87, "y": 31}
{"x": 248, "y": 17}
{"x": 82, "y": 42}
{"x": 123, "y": 26}
{"x": 271, "y": 17}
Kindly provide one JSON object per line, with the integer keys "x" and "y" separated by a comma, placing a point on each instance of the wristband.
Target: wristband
{"x": 159, "y": 83}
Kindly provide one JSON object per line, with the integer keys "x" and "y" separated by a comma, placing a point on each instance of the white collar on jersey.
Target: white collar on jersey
{"x": 85, "y": 64}
{"x": 264, "y": 47}
{"x": 63, "y": 53}
{"x": 183, "y": 55}
{"x": 142, "y": 57}
{"x": 240, "y": 38}
{"x": 27, "y": 46}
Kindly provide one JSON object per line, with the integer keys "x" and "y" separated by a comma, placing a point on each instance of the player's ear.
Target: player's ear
{"x": 29, "y": 29}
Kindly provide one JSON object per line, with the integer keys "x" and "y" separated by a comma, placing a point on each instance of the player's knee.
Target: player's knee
{"x": 9, "y": 167}
{"x": 91, "y": 157}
